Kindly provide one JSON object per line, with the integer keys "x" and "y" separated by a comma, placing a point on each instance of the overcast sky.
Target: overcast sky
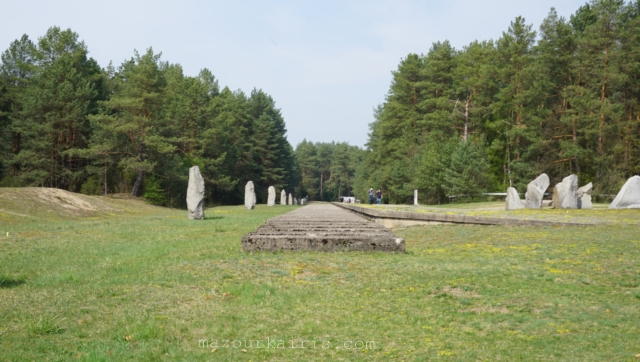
{"x": 327, "y": 64}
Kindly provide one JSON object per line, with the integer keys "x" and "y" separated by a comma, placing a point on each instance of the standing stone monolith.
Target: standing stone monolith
{"x": 290, "y": 200}
{"x": 512, "y": 202}
{"x": 249, "y": 196}
{"x": 535, "y": 191}
{"x": 271, "y": 200}
{"x": 584, "y": 196}
{"x": 564, "y": 193}
{"x": 283, "y": 197}
{"x": 629, "y": 195}
{"x": 415, "y": 197}
{"x": 195, "y": 194}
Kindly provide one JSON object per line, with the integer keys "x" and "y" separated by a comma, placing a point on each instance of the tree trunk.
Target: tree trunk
{"x": 466, "y": 119}
{"x": 138, "y": 184}
{"x": 105, "y": 175}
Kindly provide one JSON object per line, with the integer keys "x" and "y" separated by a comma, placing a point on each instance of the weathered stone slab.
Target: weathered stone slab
{"x": 629, "y": 195}
{"x": 512, "y": 202}
{"x": 321, "y": 227}
{"x": 290, "y": 200}
{"x": 564, "y": 193}
{"x": 438, "y": 218}
{"x": 271, "y": 199}
{"x": 283, "y": 197}
{"x": 584, "y": 196}
{"x": 415, "y": 197}
{"x": 195, "y": 194}
{"x": 249, "y": 196}
{"x": 535, "y": 191}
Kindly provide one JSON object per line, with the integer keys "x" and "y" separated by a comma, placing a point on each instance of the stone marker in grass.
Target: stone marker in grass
{"x": 249, "y": 196}
{"x": 565, "y": 193}
{"x": 283, "y": 197}
{"x": 584, "y": 196}
{"x": 195, "y": 194}
{"x": 535, "y": 191}
{"x": 512, "y": 202}
{"x": 629, "y": 195}
{"x": 272, "y": 196}
{"x": 290, "y": 200}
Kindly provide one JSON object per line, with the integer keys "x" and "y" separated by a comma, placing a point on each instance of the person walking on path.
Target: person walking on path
{"x": 371, "y": 196}
{"x": 379, "y": 196}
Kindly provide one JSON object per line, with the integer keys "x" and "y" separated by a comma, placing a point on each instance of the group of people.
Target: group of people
{"x": 378, "y": 195}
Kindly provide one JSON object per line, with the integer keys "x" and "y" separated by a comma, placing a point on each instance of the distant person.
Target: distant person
{"x": 379, "y": 196}
{"x": 342, "y": 199}
{"x": 371, "y": 196}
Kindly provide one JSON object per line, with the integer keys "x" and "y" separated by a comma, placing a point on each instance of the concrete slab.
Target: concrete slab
{"x": 321, "y": 227}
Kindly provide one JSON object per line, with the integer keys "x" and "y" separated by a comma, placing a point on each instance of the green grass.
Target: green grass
{"x": 148, "y": 284}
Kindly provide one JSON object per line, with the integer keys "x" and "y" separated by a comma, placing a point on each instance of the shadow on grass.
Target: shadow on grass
{"x": 9, "y": 282}
{"x": 213, "y": 217}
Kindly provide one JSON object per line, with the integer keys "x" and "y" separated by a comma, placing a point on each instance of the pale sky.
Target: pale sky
{"x": 327, "y": 64}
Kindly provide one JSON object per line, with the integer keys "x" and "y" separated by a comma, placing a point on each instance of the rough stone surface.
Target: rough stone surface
{"x": 321, "y": 227}
{"x": 195, "y": 194}
{"x": 565, "y": 193}
{"x": 271, "y": 200}
{"x": 283, "y": 197}
{"x": 629, "y": 195}
{"x": 535, "y": 191}
{"x": 427, "y": 218}
{"x": 512, "y": 202}
{"x": 290, "y": 200}
{"x": 415, "y": 197}
{"x": 249, "y": 196}
{"x": 584, "y": 196}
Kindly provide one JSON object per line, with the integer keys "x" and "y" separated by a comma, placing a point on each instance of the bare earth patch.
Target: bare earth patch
{"x": 502, "y": 310}
{"x": 41, "y": 200}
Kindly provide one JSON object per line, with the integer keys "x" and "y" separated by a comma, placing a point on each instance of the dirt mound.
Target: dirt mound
{"x": 41, "y": 201}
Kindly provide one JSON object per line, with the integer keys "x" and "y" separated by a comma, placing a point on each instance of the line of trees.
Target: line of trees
{"x": 494, "y": 114}
{"x": 327, "y": 170}
{"x": 562, "y": 100}
{"x": 65, "y": 122}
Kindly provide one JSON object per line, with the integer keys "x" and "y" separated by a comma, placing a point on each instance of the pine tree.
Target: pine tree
{"x": 132, "y": 113}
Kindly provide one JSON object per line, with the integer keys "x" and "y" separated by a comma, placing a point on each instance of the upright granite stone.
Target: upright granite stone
{"x": 512, "y": 202}
{"x": 249, "y": 196}
{"x": 195, "y": 194}
{"x": 283, "y": 197}
{"x": 565, "y": 193}
{"x": 629, "y": 195}
{"x": 415, "y": 197}
{"x": 271, "y": 200}
{"x": 584, "y": 196}
{"x": 290, "y": 200}
{"x": 535, "y": 191}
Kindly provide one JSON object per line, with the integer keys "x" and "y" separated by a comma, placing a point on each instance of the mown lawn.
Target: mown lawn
{"x": 152, "y": 285}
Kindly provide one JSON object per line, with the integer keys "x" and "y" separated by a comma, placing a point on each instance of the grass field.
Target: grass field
{"x": 129, "y": 281}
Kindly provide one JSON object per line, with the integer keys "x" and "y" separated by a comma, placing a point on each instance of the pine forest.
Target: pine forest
{"x": 455, "y": 123}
